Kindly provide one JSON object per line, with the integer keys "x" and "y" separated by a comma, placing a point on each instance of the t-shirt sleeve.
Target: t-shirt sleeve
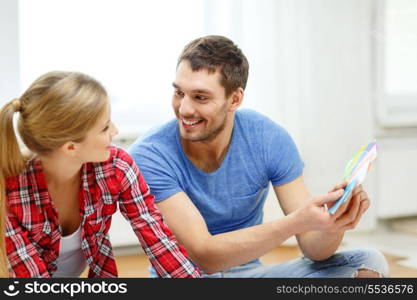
{"x": 157, "y": 170}
{"x": 282, "y": 159}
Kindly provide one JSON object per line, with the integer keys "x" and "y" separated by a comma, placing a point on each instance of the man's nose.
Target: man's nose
{"x": 186, "y": 106}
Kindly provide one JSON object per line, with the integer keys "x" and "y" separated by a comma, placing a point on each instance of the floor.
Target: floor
{"x": 400, "y": 247}
{"x": 135, "y": 265}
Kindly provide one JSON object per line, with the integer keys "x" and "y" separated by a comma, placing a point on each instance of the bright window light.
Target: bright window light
{"x": 130, "y": 46}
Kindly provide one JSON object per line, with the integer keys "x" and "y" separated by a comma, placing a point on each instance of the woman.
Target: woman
{"x": 60, "y": 200}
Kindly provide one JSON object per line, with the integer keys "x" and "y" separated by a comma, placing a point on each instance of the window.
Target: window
{"x": 396, "y": 63}
{"x": 130, "y": 46}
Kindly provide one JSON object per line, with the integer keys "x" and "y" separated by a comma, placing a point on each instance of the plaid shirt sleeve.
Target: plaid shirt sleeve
{"x": 23, "y": 256}
{"x": 137, "y": 205}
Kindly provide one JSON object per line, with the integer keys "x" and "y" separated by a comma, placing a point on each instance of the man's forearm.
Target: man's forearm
{"x": 234, "y": 248}
{"x": 319, "y": 245}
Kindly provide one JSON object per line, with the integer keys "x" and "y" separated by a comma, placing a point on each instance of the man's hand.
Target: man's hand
{"x": 353, "y": 209}
{"x": 314, "y": 216}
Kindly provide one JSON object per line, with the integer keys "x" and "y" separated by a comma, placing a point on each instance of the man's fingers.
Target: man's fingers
{"x": 352, "y": 224}
{"x": 351, "y": 213}
{"x": 364, "y": 205}
{"x": 342, "y": 209}
{"x": 341, "y": 185}
{"x": 329, "y": 197}
{"x": 358, "y": 189}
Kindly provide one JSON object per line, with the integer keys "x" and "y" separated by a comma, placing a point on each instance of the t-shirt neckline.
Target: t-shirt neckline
{"x": 190, "y": 163}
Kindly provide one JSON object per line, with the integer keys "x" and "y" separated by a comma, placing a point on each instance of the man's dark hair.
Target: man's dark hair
{"x": 218, "y": 52}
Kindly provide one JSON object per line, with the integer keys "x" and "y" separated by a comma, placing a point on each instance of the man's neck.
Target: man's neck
{"x": 209, "y": 155}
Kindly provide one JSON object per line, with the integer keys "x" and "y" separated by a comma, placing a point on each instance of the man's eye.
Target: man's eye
{"x": 199, "y": 97}
{"x": 179, "y": 93}
{"x": 106, "y": 128}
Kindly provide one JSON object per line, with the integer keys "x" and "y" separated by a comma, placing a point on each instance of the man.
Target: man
{"x": 210, "y": 170}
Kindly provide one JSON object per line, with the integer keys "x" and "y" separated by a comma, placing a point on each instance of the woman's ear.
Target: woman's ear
{"x": 69, "y": 148}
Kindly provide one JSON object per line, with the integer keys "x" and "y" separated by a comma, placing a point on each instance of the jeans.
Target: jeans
{"x": 341, "y": 264}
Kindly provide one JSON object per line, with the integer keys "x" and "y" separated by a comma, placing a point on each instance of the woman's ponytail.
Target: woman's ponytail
{"x": 11, "y": 163}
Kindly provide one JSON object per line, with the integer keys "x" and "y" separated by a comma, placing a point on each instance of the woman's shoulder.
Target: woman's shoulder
{"x": 117, "y": 153}
{"x": 32, "y": 170}
{"x": 119, "y": 160}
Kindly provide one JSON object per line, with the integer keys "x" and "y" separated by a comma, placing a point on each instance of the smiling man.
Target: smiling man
{"x": 210, "y": 171}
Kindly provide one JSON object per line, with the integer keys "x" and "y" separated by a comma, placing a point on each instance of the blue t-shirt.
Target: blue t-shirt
{"x": 232, "y": 197}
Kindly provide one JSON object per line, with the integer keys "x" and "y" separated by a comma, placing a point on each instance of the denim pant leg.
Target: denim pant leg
{"x": 342, "y": 264}
{"x": 347, "y": 263}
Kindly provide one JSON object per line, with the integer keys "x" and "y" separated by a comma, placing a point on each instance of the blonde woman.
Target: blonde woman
{"x": 60, "y": 201}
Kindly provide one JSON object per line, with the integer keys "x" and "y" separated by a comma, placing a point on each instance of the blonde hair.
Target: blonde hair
{"x": 58, "y": 107}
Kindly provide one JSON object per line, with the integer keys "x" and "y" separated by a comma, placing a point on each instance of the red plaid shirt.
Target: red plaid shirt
{"x": 33, "y": 233}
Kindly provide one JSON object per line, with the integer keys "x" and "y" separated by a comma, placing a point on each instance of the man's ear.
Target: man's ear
{"x": 69, "y": 148}
{"x": 236, "y": 99}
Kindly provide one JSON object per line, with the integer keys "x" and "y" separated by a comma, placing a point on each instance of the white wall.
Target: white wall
{"x": 336, "y": 116}
{"x": 396, "y": 176}
{"x": 9, "y": 51}
{"x": 335, "y": 109}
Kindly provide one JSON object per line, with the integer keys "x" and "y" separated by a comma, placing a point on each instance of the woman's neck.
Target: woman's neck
{"x": 60, "y": 170}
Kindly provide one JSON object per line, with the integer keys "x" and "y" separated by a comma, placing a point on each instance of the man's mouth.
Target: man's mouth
{"x": 191, "y": 123}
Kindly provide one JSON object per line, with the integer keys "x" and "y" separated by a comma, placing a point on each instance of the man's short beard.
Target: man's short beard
{"x": 209, "y": 136}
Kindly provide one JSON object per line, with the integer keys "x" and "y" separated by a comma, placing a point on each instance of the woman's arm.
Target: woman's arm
{"x": 24, "y": 258}
{"x": 137, "y": 205}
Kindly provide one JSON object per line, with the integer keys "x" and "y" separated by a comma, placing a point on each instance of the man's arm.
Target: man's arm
{"x": 319, "y": 245}
{"x": 214, "y": 253}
